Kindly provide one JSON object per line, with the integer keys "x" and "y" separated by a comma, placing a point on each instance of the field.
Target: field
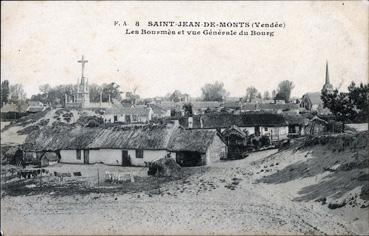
{"x": 225, "y": 198}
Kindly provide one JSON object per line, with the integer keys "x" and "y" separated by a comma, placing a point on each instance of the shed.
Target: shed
{"x": 197, "y": 147}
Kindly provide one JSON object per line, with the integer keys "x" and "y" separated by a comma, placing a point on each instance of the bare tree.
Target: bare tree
{"x": 214, "y": 92}
{"x": 251, "y": 93}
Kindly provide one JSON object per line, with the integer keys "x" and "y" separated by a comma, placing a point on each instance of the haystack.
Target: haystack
{"x": 165, "y": 167}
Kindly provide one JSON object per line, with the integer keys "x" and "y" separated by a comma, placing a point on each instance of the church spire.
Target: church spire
{"x": 327, "y": 85}
{"x": 326, "y": 74}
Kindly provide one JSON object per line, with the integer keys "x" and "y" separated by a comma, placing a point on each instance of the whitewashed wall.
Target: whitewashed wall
{"x": 149, "y": 155}
{"x": 70, "y": 156}
{"x": 250, "y": 130}
{"x": 277, "y": 133}
{"x": 215, "y": 150}
{"x": 106, "y": 156}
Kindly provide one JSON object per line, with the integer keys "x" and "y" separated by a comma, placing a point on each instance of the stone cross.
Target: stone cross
{"x": 83, "y": 62}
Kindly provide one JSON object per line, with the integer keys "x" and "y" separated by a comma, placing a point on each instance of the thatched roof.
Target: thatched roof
{"x": 47, "y": 139}
{"x": 205, "y": 104}
{"x": 153, "y": 137}
{"x": 234, "y": 130}
{"x": 11, "y": 107}
{"x": 51, "y": 156}
{"x": 269, "y": 106}
{"x": 232, "y": 104}
{"x": 191, "y": 140}
{"x": 294, "y": 119}
{"x": 139, "y": 111}
{"x": 157, "y": 110}
{"x": 149, "y": 137}
{"x": 225, "y": 120}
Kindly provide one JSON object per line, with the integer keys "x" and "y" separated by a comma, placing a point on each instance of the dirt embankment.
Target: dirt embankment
{"x": 336, "y": 164}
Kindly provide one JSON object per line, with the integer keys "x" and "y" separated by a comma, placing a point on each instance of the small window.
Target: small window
{"x": 266, "y": 128}
{"x": 139, "y": 153}
{"x": 78, "y": 154}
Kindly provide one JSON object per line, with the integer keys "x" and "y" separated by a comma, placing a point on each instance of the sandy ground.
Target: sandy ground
{"x": 221, "y": 199}
{"x": 4, "y": 123}
{"x": 11, "y": 137}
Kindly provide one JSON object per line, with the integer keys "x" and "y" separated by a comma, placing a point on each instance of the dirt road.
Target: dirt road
{"x": 221, "y": 199}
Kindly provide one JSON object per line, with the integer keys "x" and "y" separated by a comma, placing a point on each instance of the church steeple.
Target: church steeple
{"x": 326, "y": 74}
{"x": 327, "y": 85}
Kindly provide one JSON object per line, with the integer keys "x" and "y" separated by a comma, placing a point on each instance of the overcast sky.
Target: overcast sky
{"x": 42, "y": 41}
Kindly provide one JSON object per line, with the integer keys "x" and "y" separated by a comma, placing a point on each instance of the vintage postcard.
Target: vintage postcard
{"x": 184, "y": 118}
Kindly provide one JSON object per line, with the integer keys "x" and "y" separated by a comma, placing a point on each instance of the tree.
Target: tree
{"x": 274, "y": 93}
{"x": 339, "y": 104}
{"x": 214, "y": 92}
{"x": 266, "y": 95}
{"x": 4, "y": 92}
{"x": 359, "y": 95}
{"x": 17, "y": 96}
{"x": 251, "y": 93}
{"x": 132, "y": 98}
{"x": 258, "y": 95}
{"x": 284, "y": 90}
{"x": 113, "y": 90}
{"x": 54, "y": 95}
{"x": 45, "y": 88}
{"x": 95, "y": 92}
{"x": 175, "y": 96}
{"x": 348, "y": 107}
{"x": 16, "y": 92}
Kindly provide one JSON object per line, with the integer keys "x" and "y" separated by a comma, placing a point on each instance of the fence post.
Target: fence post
{"x": 98, "y": 178}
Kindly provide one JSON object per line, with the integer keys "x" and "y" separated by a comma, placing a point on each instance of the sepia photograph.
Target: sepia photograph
{"x": 184, "y": 118}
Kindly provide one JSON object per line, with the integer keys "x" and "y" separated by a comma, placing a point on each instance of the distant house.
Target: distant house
{"x": 316, "y": 126}
{"x": 271, "y": 107}
{"x": 133, "y": 114}
{"x": 36, "y": 106}
{"x": 12, "y": 111}
{"x": 258, "y": 124}
{"x": 296, "y": 124}
{"x": 200, "y": 107}
{"x": 232, "y": 105}
{"x": 311, "y": 101}
{"x": 159, "y": 112}
{"x": 171, "y": 108}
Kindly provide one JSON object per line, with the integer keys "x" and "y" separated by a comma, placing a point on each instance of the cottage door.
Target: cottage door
{"x": 257, "y": 131}
{"x": 86, "y": 155}
{"x": 125, "y": 158}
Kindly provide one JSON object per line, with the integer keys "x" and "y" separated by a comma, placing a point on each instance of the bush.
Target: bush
{"x": 93, "y": 123}
{"x": 334, "y": 126}
{"x": 265, "y": 141}
{"x": 44, "y": 122}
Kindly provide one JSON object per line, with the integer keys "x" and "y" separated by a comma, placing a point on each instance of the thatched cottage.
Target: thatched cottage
{"x": 133, "y": 146}
{"x": 130, "y": 145}
{"x": 197, "y": 147}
